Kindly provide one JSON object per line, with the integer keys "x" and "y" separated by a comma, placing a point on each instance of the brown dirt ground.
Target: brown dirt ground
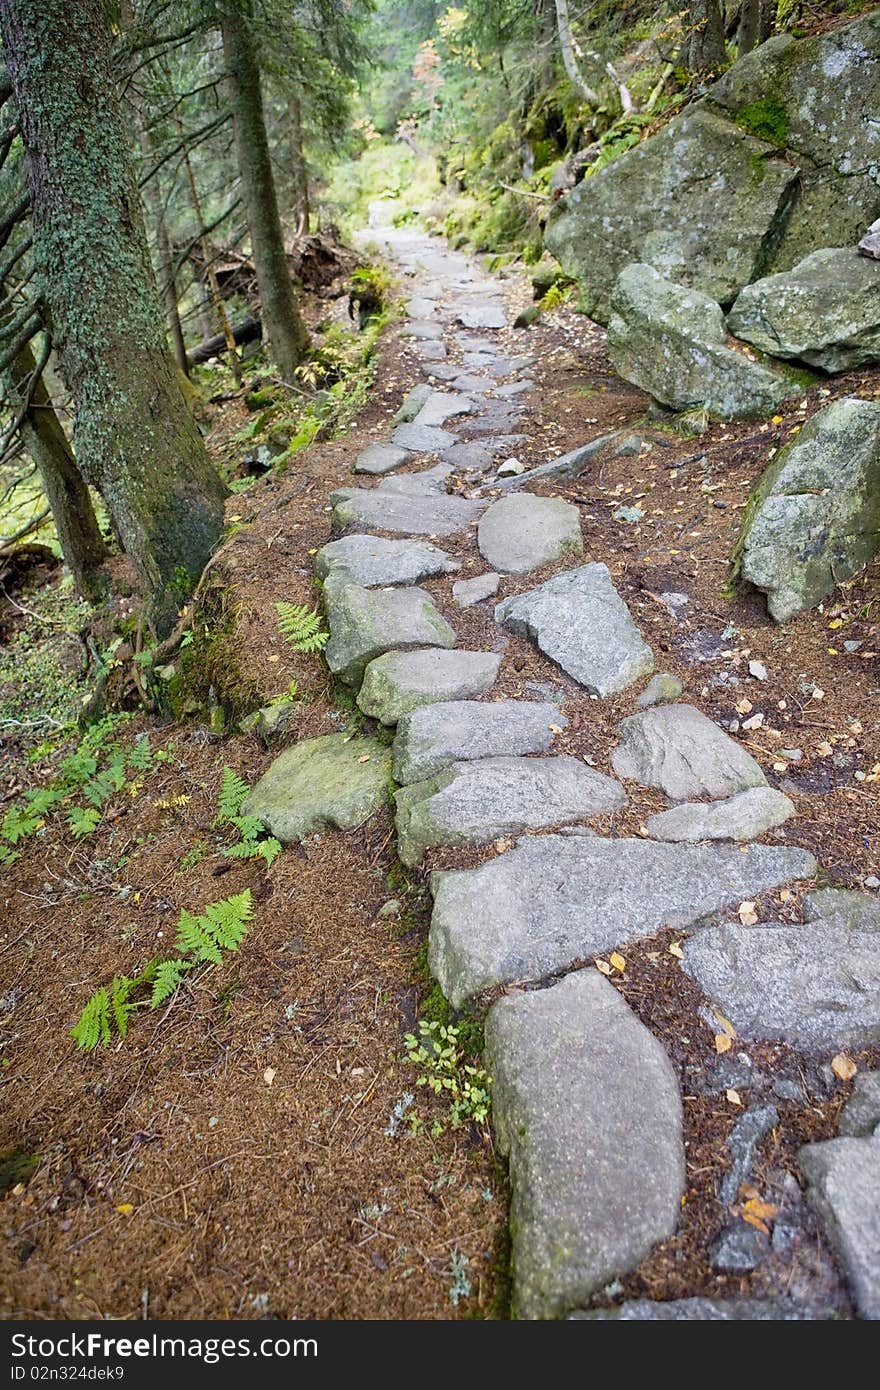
{"x": 172, "y": 1175}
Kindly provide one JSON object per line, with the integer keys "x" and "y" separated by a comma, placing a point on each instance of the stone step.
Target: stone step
{"x": 367, "y": 510}
{"x": 521, "y": 533}
{"x": 442, "y": 406}
{"x": 843, "y": 1184}
{"x": 580, "y": 621}
{"x": 472, "y": 803}
{"x": 334, "y": 781}
{"x": 380, "y": 458}
{"x": 700, "y": 1310}
{"x": 744, "y": 816}
{"x": 557, "y": 899}
{"x": 677, "y": 749}
{"x": 460, "y": 730}
{"x": 399, "y": 682}
{"x": 814, "y": 986}
{"x": 374, "y": 560}
{"x": 586, "y": 1105}
{"x": 422, "y": 439}
{"x": 364, "y": 623}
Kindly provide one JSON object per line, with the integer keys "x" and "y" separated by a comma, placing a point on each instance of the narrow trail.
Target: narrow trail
{"x": 587, "y": 1101}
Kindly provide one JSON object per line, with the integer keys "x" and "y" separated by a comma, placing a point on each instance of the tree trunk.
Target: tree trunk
{"x": 569, "y": 58}
{"x": 705, "y": 46}
{"x": 300, "y": 171}
{"x": 44, "y": 439}
{"x": 755, "y": 25}
{"x": 283, "y": 325}
{"x": 134, "y": 436}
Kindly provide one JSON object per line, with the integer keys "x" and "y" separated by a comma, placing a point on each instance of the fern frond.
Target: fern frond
{"x": 93, "y": 1026}
{"x": 226, "y": 920}
{"x": 232, "y": 793}
{"x": 269, "y": 850}
{"x": 249, "y": 827}
{"x": 82, "y": 820}
{"x": 302, "y": 626}
{"x": 245, "y": 849}
{"x": 120, "y": 991}
{"x": 169, "y": 974}
{"x": 194, "y": 939}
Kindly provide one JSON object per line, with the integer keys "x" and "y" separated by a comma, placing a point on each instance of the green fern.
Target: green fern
{"x": 221, "y": 927}
{"x": 302, "y": 626}
{"x": 168, "y": 977}
{"x": 253, "y": 844}
{"x": 122, "y": 1004}
{"x": 83, "y": 820}
{"x": 232, "y": 793}
{"x": 8, "y": 856}
{"x": 93, "y": 1028}
{"x": 193, "y": 939}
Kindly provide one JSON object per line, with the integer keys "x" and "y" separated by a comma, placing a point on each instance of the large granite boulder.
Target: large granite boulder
{"x": 333, "y": 781}
{"x": 780, "y": 158}
{"x": 671, "y": 341}
{"x": 825, "y": 311}
{"x": 816, "y": 514}
{"x": 843, "y": 1184}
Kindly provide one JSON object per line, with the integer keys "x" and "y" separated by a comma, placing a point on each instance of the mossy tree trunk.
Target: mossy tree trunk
{"x": 299, "y": 170}
{"x": 282, "y": 322}
{"x": 134, "y": 437}
{"x": 705, "y": 48}
{"x": 66, "y": 491}
{"x": 755, "y": 25}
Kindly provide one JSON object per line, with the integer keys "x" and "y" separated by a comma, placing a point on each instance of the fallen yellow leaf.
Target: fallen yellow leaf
{"x": 602, "y": 966}
{"x": 618, "y": 961}
{"x": 722, "y": 1042}
{"x": 734, "y": 1097}
{"x": 269, "y": 1075}
{"x": 725, "y": 1024}
{"x": 843, "y": 1066}
{"x": 675, "y": 950}
{"x": 365, "y": 758}
{"x": 747, "y": 914}
{"x": 125, "y": 1208}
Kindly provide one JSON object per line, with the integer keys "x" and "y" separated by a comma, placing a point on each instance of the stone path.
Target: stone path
{"x": 586, "y": 1102}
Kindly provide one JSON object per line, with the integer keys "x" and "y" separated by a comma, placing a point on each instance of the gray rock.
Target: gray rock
{"x": 695, "y": 178}
{"x": 870, "y": 242}
{"x": 816, "y": 515}
{"x": 661, "y": 689}
{"x": 427, "y": 482}
{"x": 440, "y": 371}
{"x": 475, "y": 802}
{"x": 412, "y": 403}
{"x": 742, "y": 817}
{"x": 380, "y": 458}
{"x": 861, "y": 1113}
{"x": 858, "y": 911}
{"x": 432, "y": 352}
{"x": 587, "y": 1107}
{"x": 442, "y": 406}
{"x": 440, "y": 515}
{"x": 422, "y": 439}
{"x": 568, "y": 465}
{"x": 678, "y": 750}
{"x": 469, "y": 381}
{"x": 422, "y": 328}
{"x": 372, "y": 560}
{"x": 469, "y": 457}
{"x": 482, "y": 315}
{"x": 701, "y": 1310}
{"x": 335, "y": 781}
{"x": 522, "y": 533}
{"x": 815, "y": 986}
{"x": 739, "y": 1249}
{"x": 420, "y": 308}
{"x": 514, "y": 388}
{"x": 458, "y": 730}
{"x": 671, "y": 342}
{"x": 399, "y": 682}
{"x": 843, "y": 1177}
{"x": 747, "y": 1134}
{"x": 561, "y": 898}
{"x": 467, "y": 592}
{"x": 825, "y": 311}
{"x": 580, "y": 621}
{"x": 364, "y": 623}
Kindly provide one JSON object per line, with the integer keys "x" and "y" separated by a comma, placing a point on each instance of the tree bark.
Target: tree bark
{"x": 569, "y": 58}
{"x": 705, "y": 46}
{"x": 66, "y": 491}
{"x": 755, "y": 25}
{"x": 285, "y": 330}
{"x": 300, "y": 172}
{"x": 133, "y": 436}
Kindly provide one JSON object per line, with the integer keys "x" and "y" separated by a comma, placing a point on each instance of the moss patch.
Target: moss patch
{"x": 767, "y": 119}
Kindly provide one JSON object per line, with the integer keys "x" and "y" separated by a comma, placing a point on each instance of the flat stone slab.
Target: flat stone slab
{"x": 742, "y": 817}
{"x": 815, "y": 986}
{"x": 372, "y": 560}
{"x": 407, "y": 515}
{"x": 335, "y": 781}
{"x": 380, "y": 458}
{"x": 843, "y": 1185}
{"x": 422, "y": 439}
{"x": 422, "y": 328}
{"x": 427, "y": 482}
{"x": 467, "y": 592}
{"x": 412, "y": 403}
{"x": 580, "y": 621}
{"x": 860, "y": 1115}
{"x": 558, "y": 899}
{"x": 442, "y": 406}
{"x": 586, "y": 1105}
{"x": 521, "y": 533}
{"x": 364, "y": 623}
{"x": 469, "y": 456}
{"x": 399, "y": 682}
{"x": 679, "y": 750}
{"x": 485, "y": 315}
{"x": 699, "y": 1310}
{"x": 420, "y": 308}
{"x": 431, "y": 351}
{"x": 472, "y": 803}
{"x": 458, "y": 730}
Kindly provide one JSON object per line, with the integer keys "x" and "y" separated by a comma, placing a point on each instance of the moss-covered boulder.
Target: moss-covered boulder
{"x": 671, "y": 342}
{"x": 335, "y": 781}
{"x": 779, "y": 159}
{"x": 825, "y": 311}
{"x": 816, "y": 514}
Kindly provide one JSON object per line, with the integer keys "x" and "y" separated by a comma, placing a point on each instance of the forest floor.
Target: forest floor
{"x": 238, "y": 1155}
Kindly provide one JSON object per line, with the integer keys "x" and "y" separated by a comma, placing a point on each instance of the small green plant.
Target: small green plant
{"x": 444, "y": 1071}
{"x": 200, "y": 940}
{"x": 253, "y": 842}
{"x": 302, "y": 626}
